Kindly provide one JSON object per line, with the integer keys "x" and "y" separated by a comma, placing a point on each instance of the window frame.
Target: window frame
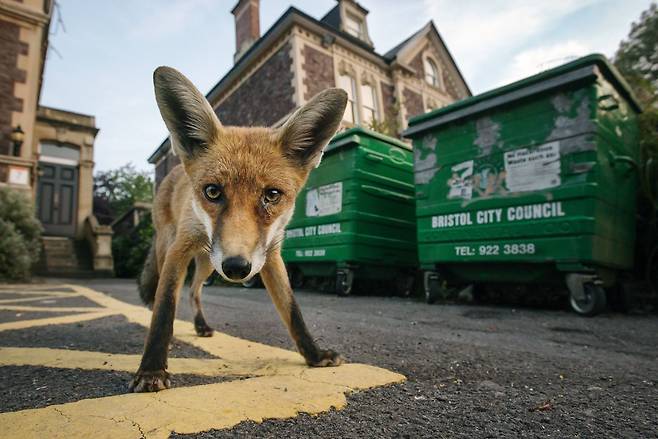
{"x": 352, "y": 98}
{"x": 433, "y": 72}
{"x": 375, "y": 107}
{"x": 359, "y": 23}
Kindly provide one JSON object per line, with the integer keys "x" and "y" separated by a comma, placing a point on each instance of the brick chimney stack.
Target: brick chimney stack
{"x": 247, "y": 26}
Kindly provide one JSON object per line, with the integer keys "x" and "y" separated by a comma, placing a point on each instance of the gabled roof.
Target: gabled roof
{"x": 329, "y": 23}
{"x": 408, "y": 44}
{"x": 392, "y": 54}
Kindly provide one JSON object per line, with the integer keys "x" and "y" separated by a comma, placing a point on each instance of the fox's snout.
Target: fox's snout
{"x": 236, "y": 268}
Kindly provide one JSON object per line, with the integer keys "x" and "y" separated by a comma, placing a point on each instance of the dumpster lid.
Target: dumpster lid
{"x": 585, "y": 67}
{"x": 353, "y": 135}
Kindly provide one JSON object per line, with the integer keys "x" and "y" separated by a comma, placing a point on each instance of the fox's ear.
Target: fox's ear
{"x": 310, "y": 128}
{"x": 191, "y": 121}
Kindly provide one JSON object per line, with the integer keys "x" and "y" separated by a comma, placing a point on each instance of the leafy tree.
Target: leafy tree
{"x": 20, "y": 235}
{"x": 116, "y": 190}
{"x": 637, "y": 56}
{"x": 129, "y": 250}
{"x": 637, "y": 59}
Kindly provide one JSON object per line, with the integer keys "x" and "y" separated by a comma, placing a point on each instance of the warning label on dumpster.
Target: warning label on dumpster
{"x": 532, "y": 170}
{"x": 324, "y": 200}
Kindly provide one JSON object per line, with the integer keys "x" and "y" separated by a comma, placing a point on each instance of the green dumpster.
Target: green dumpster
{"x": 533, "y": 182}
{"x": 355, "y": 218}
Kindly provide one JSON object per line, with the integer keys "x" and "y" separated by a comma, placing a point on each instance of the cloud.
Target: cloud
{"x": 537, "y": 59}
{"x": 481, "y": 33}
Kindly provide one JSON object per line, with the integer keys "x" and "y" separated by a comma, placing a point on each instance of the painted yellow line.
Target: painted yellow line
{"x": 72, "y": 359}
{"x": 221, "y": 345}
{"x": 194, "y": 409}
{"x": 37, "y": 298}
{"x": 278, "y": 384}
{"x": 62, "y": 320}
{"x": 25, "y": 308}
{"x": 37, "y": 292}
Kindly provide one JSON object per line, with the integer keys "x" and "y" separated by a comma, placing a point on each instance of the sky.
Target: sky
{"x": 102, "y": 57}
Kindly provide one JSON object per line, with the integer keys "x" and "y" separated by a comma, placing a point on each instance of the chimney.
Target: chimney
{"x": 247, "y": 26}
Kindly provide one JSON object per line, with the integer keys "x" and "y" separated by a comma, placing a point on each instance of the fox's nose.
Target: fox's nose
{"x": 236, "y": 267}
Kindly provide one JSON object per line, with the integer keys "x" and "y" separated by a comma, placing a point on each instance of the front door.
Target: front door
{"x": 57, "y": 196}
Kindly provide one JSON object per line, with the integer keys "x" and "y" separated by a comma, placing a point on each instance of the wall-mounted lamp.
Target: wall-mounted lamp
{"x": 17, "y": 137}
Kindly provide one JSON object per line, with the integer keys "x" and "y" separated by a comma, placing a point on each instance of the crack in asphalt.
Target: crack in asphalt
{"x": 67, "y": 417}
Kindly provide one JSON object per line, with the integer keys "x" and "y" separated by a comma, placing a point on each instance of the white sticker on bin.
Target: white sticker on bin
{"x": 324, "y": 200}
{"x": 533, "y": 170}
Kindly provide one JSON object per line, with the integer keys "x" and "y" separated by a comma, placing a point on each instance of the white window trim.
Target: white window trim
{"x": 58, "y": 160}
{"x": 439, "y": 72}
{"x": 375, "y": 99}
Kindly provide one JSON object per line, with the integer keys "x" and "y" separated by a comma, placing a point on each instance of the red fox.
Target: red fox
{"x": 226, "y": 206}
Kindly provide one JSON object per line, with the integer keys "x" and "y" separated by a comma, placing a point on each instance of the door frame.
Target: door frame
{"x": 60, "y": 163}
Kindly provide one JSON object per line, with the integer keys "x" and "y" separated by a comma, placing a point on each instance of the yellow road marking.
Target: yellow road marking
{"x": 40, "y": 297}
{"x": 49, "y": 308}
{"x": 198, "y": 408}
{"x": 62, "y": 320}
{"x": 280, "y": 385}
{"x": 72, "y": 359}
{"x": 19, "y": 292}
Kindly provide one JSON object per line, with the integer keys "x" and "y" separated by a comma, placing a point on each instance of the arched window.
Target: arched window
{"x": 347, "y": 83}
{"x": 368, "y": 104}
{"x": 431, "y": 73}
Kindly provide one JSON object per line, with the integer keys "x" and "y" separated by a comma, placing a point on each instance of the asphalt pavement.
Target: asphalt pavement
{"x": 471, "y": 371}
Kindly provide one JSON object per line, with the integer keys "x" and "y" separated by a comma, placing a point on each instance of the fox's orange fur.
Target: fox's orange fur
{"x": 226, "y": 207}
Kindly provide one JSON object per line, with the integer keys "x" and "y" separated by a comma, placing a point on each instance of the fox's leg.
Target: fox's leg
{"x": 276, "y": 281}
{"x": 202, "y": 269}
{"x": 152, "y": 374}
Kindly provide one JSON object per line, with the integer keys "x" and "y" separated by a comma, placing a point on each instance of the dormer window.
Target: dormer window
{"x": 354, "y": 26}
{"x": 431, "y": 73}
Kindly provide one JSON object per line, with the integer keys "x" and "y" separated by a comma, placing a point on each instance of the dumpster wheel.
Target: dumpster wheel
{"x": 404, "y": 284}
{"x": 433, "y": 287}
{"x": 344, "y": 282}
{"x": 592, "y": 301}
{"x": 296, "y": 278}
{"x": 652, "y": 271}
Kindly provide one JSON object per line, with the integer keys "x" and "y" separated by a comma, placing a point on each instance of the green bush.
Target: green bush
{"x": 20, "y": 235}
{"x": 129, "y": 250}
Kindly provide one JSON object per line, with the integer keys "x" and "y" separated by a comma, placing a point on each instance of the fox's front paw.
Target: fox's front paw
{"x": 150, "y": 381}
{"x": 326, "y": 358}
{"x": 201, "y": 327}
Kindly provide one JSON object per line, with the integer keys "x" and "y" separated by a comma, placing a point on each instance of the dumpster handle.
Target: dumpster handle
{"x": 374, "y": 157}
{"x": 614, "y": 159}
{"x": 374, "y": 190}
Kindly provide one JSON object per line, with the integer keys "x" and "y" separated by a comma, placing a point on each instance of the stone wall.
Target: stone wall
{"x": 319, "y": 71}
{"x": 10, "y": 48}
{"x": 388, "y": 99}
{"x": 413, "y": 103}
{"x": 265, "y": 97}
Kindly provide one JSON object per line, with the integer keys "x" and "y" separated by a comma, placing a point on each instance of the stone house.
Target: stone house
{"x": 47, "y": 152}
{"x": 275, "y": 73}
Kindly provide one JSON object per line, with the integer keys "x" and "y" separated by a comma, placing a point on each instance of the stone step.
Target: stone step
{"x": 62, "y": 257}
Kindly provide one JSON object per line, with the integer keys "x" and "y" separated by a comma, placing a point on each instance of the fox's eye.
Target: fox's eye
{"x": 271, "y": 196}
{"x": 213, "y": 192}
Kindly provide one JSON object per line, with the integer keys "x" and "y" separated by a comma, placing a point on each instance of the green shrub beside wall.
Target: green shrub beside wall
{"x": 129, "y": 250}
{"x": 20, "y": 235}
